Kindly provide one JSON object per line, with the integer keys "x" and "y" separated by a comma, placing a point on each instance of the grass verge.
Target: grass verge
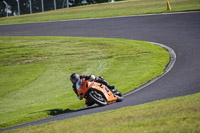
{"x": 35, "y": 72}
{"x": 122, "y": 8}
{"x": 180, "y": 115}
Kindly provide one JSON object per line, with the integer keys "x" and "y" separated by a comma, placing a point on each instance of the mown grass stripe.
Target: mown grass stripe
{"x": 35, "y": 71}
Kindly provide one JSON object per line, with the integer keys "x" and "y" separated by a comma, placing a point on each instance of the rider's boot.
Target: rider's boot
{"x": 101, "y": 80}
{"x": 110, "y": 87}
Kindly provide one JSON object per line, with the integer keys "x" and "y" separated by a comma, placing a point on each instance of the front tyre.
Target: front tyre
{"x": 97, "y": 97}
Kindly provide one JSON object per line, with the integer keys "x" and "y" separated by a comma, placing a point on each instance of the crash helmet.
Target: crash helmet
{"x": 74, "y": 78}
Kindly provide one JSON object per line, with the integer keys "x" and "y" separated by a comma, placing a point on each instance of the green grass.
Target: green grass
{"x": 176, "y": 115}
{"x": 121, "y": 8}
{"x": 35, "y": 72}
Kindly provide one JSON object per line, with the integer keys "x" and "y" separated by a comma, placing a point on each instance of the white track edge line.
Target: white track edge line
{"x": 167, "y": 69}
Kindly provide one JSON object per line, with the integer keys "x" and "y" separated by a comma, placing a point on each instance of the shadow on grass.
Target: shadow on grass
{"x": 54, "y": 112}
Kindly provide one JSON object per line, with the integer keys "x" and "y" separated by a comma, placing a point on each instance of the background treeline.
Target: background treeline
{"x": 37, "y": 5}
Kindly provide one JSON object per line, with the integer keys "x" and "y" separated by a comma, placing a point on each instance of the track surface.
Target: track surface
{"x": 179, "y": 31}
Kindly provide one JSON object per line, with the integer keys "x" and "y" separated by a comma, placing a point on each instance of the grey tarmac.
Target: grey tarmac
{"x": 179, "y": 31}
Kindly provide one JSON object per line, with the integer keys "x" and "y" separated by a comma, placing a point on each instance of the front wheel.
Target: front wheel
{"x": 97, "y": 97}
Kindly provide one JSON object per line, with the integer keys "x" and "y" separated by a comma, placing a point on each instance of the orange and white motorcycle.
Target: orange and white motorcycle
{"x": 97, "y": 92}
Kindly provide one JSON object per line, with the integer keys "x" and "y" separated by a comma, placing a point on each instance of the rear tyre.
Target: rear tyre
{"x": 120, "y": 97}
{"x": 97, "y": 97}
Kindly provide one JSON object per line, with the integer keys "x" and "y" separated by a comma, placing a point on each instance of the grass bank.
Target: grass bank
{"x": 180, "y": 115}
{"x": 35, "y": 72}
{"x": 121, "y": 8}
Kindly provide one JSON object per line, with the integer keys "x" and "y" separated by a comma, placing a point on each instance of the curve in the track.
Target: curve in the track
{"x": 180, "y": 31}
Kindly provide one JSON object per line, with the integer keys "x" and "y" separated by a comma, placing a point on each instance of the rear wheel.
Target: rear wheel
{"x": 120, "y": 97}
{"x": 97, "y": 97}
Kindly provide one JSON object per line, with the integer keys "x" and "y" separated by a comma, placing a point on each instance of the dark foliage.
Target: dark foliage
{"x": 37, "y": 5}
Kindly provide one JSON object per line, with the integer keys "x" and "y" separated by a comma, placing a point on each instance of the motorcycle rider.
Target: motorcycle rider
{"x": 75, "y": 78}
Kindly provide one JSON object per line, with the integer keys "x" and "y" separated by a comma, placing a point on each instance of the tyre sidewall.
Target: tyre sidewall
{"x": 95, "y": 100}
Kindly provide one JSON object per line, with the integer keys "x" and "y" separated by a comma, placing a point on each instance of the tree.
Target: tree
{"x": 37, "y": 6}
{"x": 2, "y": 9}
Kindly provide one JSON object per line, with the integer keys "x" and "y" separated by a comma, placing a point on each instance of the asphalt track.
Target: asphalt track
{"x": 180, "y": 31}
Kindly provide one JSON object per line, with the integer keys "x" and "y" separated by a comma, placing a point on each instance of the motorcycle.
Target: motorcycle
{"x": 97, "y": 92}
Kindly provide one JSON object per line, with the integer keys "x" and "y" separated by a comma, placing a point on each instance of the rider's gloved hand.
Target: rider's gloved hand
{"x": 80, "y": 98}
{"x": 92, "y": 78}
